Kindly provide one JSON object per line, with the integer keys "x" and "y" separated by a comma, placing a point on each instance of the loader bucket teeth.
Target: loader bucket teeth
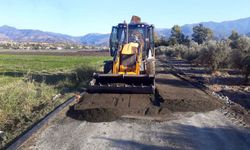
{"x": 131, "y": 84}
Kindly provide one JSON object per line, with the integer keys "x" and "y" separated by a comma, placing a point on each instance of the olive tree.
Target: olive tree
{"x": 214, "y": 54}
{"x": 201, "y": 34}
{"x": 177, "y": 37}
{"x": 240, "y": 56}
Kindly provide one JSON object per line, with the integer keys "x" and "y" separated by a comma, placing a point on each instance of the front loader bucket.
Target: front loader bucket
{"x": 116, "y": 83}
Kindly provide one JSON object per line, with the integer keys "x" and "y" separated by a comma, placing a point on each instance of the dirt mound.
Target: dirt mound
{"x": 180, "y": 96}
{"x": 192, "y": 105}
{"x": 108, "y": 107}
{"x": 94, "y": 115}
{"x": 100, "y": 115}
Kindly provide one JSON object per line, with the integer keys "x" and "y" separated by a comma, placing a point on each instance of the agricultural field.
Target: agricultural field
{"x": 33, "y": 85}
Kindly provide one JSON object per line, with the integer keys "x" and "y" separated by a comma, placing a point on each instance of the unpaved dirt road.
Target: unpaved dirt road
{"x": 193, "y": 120}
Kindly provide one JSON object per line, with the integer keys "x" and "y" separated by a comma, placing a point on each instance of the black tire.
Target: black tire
{"x": 108, "y": 65}
{"x": 150, "y": 67}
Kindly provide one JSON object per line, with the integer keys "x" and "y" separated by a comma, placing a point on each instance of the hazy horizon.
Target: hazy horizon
{"x": 78, "y": 18}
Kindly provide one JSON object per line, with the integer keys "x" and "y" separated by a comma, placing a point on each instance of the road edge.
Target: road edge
{"x": 22, "y": 138}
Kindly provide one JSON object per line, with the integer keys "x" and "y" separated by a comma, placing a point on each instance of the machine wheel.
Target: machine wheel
{"x": 108, "y": 67}
{"x": 150, "y": 67}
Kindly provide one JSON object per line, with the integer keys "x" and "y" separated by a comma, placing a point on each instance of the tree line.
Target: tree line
{"x": 200, "y": 35}
{"x": 232, "y": 52}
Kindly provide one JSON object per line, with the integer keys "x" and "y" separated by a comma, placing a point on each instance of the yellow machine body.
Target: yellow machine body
{"x": 129, "y": 53}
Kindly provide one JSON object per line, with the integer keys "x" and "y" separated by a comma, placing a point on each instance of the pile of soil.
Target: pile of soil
{"x": 180, "y": 96}
{"x": 94, "y": 115}
{"x": 108, "y": 107}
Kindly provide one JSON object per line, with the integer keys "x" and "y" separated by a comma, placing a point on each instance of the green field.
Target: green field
{"x": 28, "y": 84}
{"x": 25, "y": 63}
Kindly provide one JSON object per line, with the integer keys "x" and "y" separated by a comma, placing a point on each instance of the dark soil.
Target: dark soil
{"x": 94, "y": 115}
{"x": 180, "y": 96}
{"x": 108, "y": 107}
{"x": 189, "y": 105}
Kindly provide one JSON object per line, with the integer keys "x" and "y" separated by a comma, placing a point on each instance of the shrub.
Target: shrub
{"x": 240, "y": 56}
{"x": 160, "y": 50}
{"x": 192, "y": 52}
{"x": 175, "y": 50}
{"x": 214, "y": 54}
{"x": 246, "y": 68}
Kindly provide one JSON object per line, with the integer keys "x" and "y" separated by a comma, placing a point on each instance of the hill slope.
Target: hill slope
{"x": 95, "y": 39}
{"x": 220, "y": 29}
{"x": 28, "y": 35}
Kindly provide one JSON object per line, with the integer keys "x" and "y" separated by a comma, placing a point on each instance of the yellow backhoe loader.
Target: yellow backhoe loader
{"x": 132, "y": 69}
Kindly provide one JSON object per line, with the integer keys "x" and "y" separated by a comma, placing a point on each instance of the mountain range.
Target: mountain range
{"x": 8, "y": 33}
{"x": 220, "y": 29}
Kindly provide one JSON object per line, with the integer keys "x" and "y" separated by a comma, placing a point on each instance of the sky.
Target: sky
{"x": 79, "y": 17}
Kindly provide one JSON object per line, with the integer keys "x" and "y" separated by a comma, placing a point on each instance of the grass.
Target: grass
{"x": 28, "y": 84}
{"x": 26, "y": 63}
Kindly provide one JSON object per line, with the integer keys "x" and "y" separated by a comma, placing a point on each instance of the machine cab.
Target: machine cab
{"x": 137, "y": 33}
